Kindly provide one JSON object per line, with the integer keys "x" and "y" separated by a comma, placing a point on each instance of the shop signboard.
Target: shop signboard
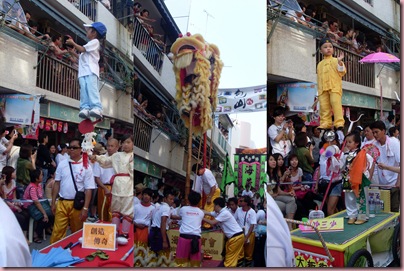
{"x": 235, "y": 100}
{"x": 61, "y": 112}
{"x": 310, "y": 260}
{"x": 20, "y": 109}
{"x": 147, "y": 167}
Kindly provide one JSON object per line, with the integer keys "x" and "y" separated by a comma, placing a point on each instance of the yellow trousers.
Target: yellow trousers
{"x": 234, "y": 251}
{"x": 104, "y": 213}
{"x": 249, "y": 248}
{"x": 65, "y": 215}
{"x": 209, "y": 208}
{"x": 331, "y": 103}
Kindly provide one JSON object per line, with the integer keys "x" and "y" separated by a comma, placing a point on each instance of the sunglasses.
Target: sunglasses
{"x": 74, "y": 148}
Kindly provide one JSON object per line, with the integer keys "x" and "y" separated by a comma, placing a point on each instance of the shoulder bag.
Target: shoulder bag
{"x": 78, "y": 202}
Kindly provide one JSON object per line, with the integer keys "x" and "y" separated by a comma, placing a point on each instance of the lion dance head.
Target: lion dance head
{"x": 197, "y": 68}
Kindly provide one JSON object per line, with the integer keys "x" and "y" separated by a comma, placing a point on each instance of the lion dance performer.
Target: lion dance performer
{"x": 197, "y": 68}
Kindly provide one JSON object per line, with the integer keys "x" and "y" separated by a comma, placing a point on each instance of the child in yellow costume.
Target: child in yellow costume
{"x": 329, "y": 82}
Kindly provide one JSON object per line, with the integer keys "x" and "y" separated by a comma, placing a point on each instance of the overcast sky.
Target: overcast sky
{"x": 238, "y": 28}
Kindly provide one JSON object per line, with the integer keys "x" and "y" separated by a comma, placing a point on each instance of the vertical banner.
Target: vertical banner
{"x": 250, "y": 168}
{"x": 235, "y": 100}
{"x": 20, "y": 109}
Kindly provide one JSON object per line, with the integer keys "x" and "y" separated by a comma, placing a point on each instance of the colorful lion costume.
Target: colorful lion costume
{"x": 197, "y": 68}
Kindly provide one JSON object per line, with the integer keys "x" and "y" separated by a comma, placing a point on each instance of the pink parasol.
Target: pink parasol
{"x": 384, "y": 58}
{"x": 379, "y": 57}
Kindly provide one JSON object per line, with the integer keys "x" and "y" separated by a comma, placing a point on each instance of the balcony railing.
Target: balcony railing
{"x": 57, "y": 76}
{"x": 142, "y": 133}
{"x": 356, "y": 72}
{"x": 150, "y": 50}
{"x": 87, "y": 7}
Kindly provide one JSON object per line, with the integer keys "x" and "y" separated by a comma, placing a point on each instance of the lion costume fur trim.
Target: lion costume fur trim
{"x": 201, "y": 94}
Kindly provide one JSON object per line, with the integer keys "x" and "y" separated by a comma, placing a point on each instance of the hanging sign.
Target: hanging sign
{"x": 99, "y": 236}
{"x": 236, "y": 100}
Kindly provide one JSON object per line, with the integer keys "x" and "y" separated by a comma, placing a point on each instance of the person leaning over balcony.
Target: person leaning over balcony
{"x": 329, "y": 82}
{"x": 297, "y": 16}
{"x": 144, "y": 16}
{"x": 90, "y": 102}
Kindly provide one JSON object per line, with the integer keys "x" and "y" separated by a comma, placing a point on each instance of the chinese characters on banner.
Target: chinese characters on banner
{"x": 99, "y": 236}
{"x": 249, "y": 99}
{"x": 324, "y": 225}
{"x": 310, "y": 260}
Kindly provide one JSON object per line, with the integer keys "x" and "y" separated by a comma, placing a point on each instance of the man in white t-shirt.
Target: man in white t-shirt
{"x": 281, "y": 134}
{"x": 65, "y": 213}
{"x": 209, "y": 188}
{"x": 103, "y": 179}
{"x": 188, "y": 253}
{"x": 246, "y": 217}
{"x": 142, "y": 215}
{"x": 232, "y": 205}
{"x": 231, "y": 229}
{"x": 5, "y": 145}
{"x": 158, "y": 239}
{"x": 247, "y": 191}
{"x": 389, "y": 148}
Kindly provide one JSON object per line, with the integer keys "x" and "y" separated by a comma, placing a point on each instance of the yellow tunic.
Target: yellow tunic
{"x": 329, "y": 86}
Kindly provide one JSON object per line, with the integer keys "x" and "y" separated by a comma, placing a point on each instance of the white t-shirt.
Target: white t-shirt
{"x": 142, "y": 214}
{"x": 3, "y": 156}
{"x": 284, "y": 145}
{"x": 389, "y": 155}
{"x": 260, "y": 216}
{"x": 84, "y": 178}
{"x": 14, "y": 250}
{"x": 191, "y": 220}
{"x": 88, "y": 61}
{"x": 247, "y": 193}
{"x": 208, "y": 181}
{"x": 228, "y": 223}
{"x": 197, "y": 186}
{"x": 136, "y": 200}
{"x": 161, "y": 210}
{"x": 298, "y": 175}
{"x": 60, "y": 157}
{"x": 13, "y": 156}
{"x": 246, "y": 218}
{"x": 105, "y": 174}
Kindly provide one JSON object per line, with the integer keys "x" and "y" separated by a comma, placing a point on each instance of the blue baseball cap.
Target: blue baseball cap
{"x": 99, "y": 27}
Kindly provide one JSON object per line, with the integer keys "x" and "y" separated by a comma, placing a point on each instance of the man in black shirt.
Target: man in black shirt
{"x": 44, "y": 160}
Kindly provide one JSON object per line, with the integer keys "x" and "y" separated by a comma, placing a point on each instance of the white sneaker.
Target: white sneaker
{"x": 96, "y": 113}
{"x": 84, "y": 114}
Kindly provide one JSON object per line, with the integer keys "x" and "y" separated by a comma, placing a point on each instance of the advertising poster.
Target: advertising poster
{"x": 236, "y": 100}
{"x": 20, "y": 109}
{"x": 297, "y": 97}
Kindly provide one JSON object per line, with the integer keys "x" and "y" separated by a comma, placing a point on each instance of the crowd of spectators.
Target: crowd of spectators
{"x": 349, "y": 38}
{"x": 299, "y": 186}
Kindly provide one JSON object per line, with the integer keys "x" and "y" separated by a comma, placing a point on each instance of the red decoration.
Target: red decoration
{"x": 65, "y": 127}
{"x": 41, "y": 123}
{"x": 60, "y": 126}
{"x": 54, "y": 125}
{"x": 47, "y": 125}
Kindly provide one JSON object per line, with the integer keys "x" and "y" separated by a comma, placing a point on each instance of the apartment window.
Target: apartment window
{"x": 370, "y": 2}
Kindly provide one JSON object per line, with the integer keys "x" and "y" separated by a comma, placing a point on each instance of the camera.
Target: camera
{"x": 65, "y": 38}
{"x": 310, "y": 143}
{"x": 34, "y": 149}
